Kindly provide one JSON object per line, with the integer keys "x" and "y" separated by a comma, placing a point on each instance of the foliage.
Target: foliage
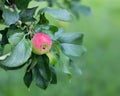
{"x": 22, "y": 22}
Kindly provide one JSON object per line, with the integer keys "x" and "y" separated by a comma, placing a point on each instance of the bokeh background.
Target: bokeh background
{"x": 100, "y": 65}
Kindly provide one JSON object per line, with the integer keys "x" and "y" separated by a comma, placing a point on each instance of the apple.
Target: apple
{"x": 41, "y": 43}
{"x": 52, "y": 58}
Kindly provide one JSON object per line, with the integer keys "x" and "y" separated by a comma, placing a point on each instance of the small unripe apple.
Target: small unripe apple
{"x": 41, "y": 43}
{"x": 52, "y": 58}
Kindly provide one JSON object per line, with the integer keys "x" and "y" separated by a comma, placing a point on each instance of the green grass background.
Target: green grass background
{"x": 100, "y": 65}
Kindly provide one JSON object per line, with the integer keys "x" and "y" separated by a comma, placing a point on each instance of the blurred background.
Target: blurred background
{"x": 100, "y": 65}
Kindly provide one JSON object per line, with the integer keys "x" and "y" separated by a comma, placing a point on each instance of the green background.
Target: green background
{"x": 100, "y": 65}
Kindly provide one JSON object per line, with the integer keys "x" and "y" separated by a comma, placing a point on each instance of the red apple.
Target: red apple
{"x": 41, "y": 43}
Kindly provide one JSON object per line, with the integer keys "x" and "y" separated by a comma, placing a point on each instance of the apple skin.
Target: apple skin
{"x": 41, "y": 43}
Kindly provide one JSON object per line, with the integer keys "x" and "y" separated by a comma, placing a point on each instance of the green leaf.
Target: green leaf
{"x": 41, "y": 28}
{"x": 33, "y": 61}
{"x": 10, "y": 16}
{"x": 64, "y": 61}
{"x": 43, "y": 65}
{"x": 7, "y": 49}
{"x": 58, "y": 13}
{"x": 28, "y": 78}
{"x": 13, "y": 31}
{"x": 27, "y": 14}
{"x": 59, "y": 33}
{"x": 19, "y": 55}
{"x": 53, "y": 28}
{"x": 22, "y": 4}
{"x": 43, "y": 19}
{"x": 54, "y": 76}
{"x": 4, "y": 36}
{"x": 74, "y": 38}
{"x": 74, "y": 66}
{"x": 15, "y": 38}
{"x": 72, "y": 49}
{"x": 85, "y": 10}
{"x": 39, "y": 0}
{"x": 1, "y": 4}
{"x": 39, "y": 80}
{"x": 0, "y": 37}
{"x": 51, "y": 2}
{"x": 75, "y": 11}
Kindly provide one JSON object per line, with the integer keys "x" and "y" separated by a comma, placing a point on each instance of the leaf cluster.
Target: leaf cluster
{"x": 22, "y": 22}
